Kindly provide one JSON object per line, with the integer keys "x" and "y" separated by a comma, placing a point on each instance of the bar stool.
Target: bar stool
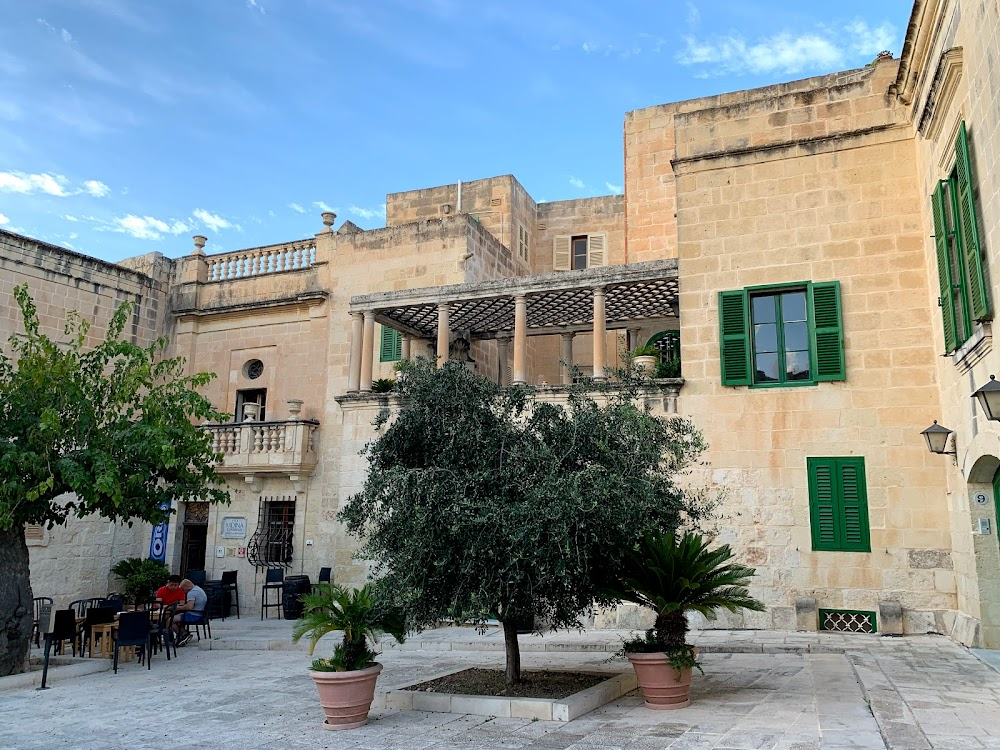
{"x": 229, "y": 584}
{"x": 273, "y": 581}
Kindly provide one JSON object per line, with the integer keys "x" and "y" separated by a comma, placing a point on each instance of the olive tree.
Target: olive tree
{"x": 108, "y": 429}
{"x": 481, "y": 501}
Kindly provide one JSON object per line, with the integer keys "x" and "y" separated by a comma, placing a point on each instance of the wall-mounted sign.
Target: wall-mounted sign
{"x": 234, "y": 528}
{"x": 981, "y": 498}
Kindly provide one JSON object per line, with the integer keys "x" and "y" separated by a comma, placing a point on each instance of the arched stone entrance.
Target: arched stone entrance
{"x": 977, "y": 551}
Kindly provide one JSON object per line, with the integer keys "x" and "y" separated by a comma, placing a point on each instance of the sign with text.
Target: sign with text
{"x": 234, "y": 528}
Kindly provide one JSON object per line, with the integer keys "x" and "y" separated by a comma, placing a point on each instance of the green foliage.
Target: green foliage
{"x": 478, "y": 499}
{"x": 384, "y": 385}
{"x": 141, "y": 577}
{"x": 679, "y": 657}
{"x": 673, "y": 575}
{"x": 113, "y": 424}
{"x": 645, "y": 351}
{"x": 361, "y": 614}
{"x": 668, "y": 368}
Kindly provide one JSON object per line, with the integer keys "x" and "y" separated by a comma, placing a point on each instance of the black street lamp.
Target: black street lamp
{"x": 989, "y": 399}
{"x": 937, "y": 439}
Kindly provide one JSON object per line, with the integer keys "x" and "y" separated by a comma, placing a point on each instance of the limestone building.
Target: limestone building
{"x": 826, "y": 252}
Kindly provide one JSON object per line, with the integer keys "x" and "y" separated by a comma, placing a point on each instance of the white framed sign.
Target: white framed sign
{"x": 234, "y": 528}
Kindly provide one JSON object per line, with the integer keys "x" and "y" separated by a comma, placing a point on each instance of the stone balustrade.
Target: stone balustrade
{"x": 284, "y": 447}
{"x": 242, "y": 264}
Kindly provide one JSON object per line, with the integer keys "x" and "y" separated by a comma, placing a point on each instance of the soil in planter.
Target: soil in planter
{"x": 493, "y": 682}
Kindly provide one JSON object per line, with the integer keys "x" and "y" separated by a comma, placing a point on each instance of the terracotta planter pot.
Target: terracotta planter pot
{"x": 659, "y": 683}
{"x": 346, "y": 697}
{"x": 646, "y": 363}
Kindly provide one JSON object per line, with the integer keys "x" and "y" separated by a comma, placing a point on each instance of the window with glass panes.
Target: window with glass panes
{"x": 780, "y": 337}
{"x": 579, "y": 252}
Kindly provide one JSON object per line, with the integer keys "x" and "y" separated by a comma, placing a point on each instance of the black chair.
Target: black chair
{"x": 113, "y": 603}
{"x": 229, "y": 584}
{"x": 273, "y": 581}
{"x": 63, "y": 629}
{"x": 38, "y": 602}
{"x": 95, "y": 616}
{"x": 324, "y": 575}
{"x": 133, "y": 630}
{"x": 200, "y": 621}
{"x": 197, "y": 577}
{"x": 160, "y": 633}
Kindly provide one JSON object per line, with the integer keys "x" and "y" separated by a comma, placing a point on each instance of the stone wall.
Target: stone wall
{"x": 845, "y": 207}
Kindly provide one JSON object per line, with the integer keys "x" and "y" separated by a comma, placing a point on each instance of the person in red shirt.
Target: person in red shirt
{"x": 171, "y": 592}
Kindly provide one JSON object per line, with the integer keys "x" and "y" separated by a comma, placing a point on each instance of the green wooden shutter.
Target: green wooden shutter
{"x": 734, "y": 338}
{"x": 822, "y": 503}
{"x": 391, "y": 348}
{"x": 947, "y": 298}
{"x": 854, "y": 505}
{"x": 826, "y": 333}
{"x": 968, "y": 228}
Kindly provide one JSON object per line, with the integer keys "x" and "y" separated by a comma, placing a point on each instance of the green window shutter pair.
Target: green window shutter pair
{"x": 826, "y": 334}
{"x": 838, "y": 504}
{"x": 945, "y": 284}
{"x": 968, "y": 228}
{"x": 391, "y": 349}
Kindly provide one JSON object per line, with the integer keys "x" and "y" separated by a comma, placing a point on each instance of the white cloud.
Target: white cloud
{"x": 693, "y": 14}
{"x": 70, "y": 218}
{"x": 146, "y": 227}
{"x": 869, "y": 41}
{"x": 4, "y": 220}
{"x": 616, "y": 189}
{"x": 214, "y": 222}
{"x": 20, "y": 182}
{"x": 96, "y": 188}
{"x": 781, "y": 53}
{"x": 296, "y": 207}
{"x": 588, "y": 47}
{"x": 256, "y": 4}
{"x": 367, "y": 213}
{"x": 66, "y": 36}
{"x": 322, "y": 206}
{"x": 577, "y": 183}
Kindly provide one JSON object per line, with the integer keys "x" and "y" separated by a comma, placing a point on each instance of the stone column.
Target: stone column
{"x": 367, "y": 352}
{"x": 444, "y": 335}
{"x": 405, "y": 348}
{"x": 632, "y": 339}
{"x": 520, "y": 340}
{"x": 566, "y": 365}
{"x": 503, "y": 345}
{"x": 354, "y": 366}
{"x": 600, "y": 333}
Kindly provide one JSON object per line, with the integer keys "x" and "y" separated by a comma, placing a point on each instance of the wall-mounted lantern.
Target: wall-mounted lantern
{"x": 937, "y": 439}
{"x": 989, "y": 399}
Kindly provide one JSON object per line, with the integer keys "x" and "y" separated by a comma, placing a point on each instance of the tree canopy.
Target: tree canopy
{"x": 107, "y": 429}
{"x": 483, "y": 502}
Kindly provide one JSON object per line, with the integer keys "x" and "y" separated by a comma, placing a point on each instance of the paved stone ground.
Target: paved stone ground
{"x": 761, "y": 691}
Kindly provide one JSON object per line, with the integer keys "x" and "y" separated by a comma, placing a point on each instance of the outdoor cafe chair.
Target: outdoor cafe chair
{"x": 63, "y": 629}
{"x": 229, "y": 584}
{"x": 133, "y": 629}
{"x": 200, "y": 620}
{"x": 113, "y": 602}
{"x": 80, "y": 606}
{"x": 160, "y": 632}
{"x": 38, "y": 602}
{"x": 273, "y": 581}
{"x": 197, "y": 577}
{"x": 95, "y": 616}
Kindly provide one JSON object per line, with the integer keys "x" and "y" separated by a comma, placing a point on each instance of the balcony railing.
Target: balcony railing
{"x": 281, "y": 447}
{"x": 289, "y": 256}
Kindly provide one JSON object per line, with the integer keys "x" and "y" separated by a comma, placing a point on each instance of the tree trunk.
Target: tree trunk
{"x": 671, "y": 628}
{"x": 16, "y": 611}
{"x": 513, "y": 651}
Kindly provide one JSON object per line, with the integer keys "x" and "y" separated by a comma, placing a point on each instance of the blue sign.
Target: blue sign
{"x": 158, "y": 539}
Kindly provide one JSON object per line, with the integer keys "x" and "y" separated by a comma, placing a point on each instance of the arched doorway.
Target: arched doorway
{"x": 977, "y": 551}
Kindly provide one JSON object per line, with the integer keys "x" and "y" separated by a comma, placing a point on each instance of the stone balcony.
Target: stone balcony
{"x": 255, "y": 449}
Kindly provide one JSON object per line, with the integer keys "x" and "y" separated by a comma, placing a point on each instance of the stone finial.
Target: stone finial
{"x": 883, "y": 55}
{"x": 199, "y": 244}
{"x": 328, "y": 218}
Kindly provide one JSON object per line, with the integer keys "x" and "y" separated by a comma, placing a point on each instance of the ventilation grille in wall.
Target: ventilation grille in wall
{"x": 496, "y": 201}
{"x": 847, "y": 621}
{"x": 541, "y": 227}
{"x": 34, "y": 532}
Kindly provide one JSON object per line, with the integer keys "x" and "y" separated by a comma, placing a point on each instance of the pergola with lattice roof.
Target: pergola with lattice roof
{"x": 594, "y": 300}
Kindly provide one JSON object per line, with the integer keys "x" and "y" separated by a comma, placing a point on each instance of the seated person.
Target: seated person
{"x": 171, "y": 592}
{"x": 190, "y": 611}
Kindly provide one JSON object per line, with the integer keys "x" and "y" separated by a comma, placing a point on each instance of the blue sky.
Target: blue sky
{"x": 126, "y": 126}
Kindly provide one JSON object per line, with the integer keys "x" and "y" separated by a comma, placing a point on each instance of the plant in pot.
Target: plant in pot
{"x": 645, "y": 358}
{"x": 140, "y": 578}
{"x": 346, "y": 680}
{"x": 673, "y": 575}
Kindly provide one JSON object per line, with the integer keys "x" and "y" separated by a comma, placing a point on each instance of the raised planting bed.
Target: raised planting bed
{"x": 551, "y": 695}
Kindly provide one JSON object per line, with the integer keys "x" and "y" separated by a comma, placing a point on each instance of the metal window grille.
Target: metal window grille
{"x": 847, "y": 621}
{"x": 271, "y": 544}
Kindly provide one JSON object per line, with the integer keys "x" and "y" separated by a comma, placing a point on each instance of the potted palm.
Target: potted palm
{"x": 346, "y": 680}
{"x": 672, "y": 576}
{"x": 645, "y": 358}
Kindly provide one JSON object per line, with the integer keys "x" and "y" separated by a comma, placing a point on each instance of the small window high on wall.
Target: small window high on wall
{"x": 574, "y": 252}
